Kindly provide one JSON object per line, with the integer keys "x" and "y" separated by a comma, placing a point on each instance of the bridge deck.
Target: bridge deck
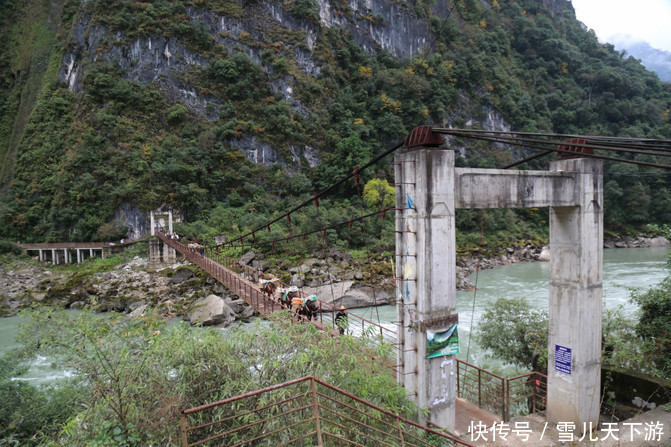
{"x": 242, "y": 287}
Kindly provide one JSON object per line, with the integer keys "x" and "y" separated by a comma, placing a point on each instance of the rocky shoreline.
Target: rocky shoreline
{"x": 183, "y": 291}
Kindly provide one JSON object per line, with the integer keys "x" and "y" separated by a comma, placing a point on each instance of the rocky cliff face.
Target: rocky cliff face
{"x": 382, "y": 25}
{"x": 167, "y": 62}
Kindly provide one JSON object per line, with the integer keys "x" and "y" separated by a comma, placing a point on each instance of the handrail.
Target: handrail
{"x": 386, "y": 333}
{"x": 61, "y": 245}
{"x": 322, "y": 422}
{"x": 530, "y": 386}
{"x": 226, "y": 275}
{"x": 240, "y": 286}
{"x": 498, "y": 394}
{"x": 489, "y": 393}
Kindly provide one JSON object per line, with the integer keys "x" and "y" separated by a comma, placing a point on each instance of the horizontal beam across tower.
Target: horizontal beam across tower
{"x": 498, "y": 188}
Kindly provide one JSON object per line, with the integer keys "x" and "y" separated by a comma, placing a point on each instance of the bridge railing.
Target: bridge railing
{"x": 356, "y": 325}
{"x": 507, "y": 398}
{"x": 61, "y": 245}
{"x": 526, "y": 394}
{"x": 237, "y": 284}
{"x": 305, "y": 411}
{"x": 481, "y": 387}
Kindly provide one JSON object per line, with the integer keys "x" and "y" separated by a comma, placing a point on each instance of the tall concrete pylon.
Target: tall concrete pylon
{"x": 429, "y": 191}
{"x": 426, "y": 276}
{"x": 576, "y": 275}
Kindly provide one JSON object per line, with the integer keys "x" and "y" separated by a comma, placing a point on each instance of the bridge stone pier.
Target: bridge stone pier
{"x": 429, "y": 190}
{"x": 161, "y": 254}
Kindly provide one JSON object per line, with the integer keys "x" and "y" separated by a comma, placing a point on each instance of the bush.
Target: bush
{"x": 27, "y": 413}
{"x": 141, "y": 373}
{"x": 9, "y": 247}
{"x": 514, "y": 332}
{"x": 654, "y": 324}
{"x": 111, "y": 232}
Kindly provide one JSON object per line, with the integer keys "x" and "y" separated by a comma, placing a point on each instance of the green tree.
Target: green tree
{"x": 514, "y": 332}
{"x": 378, "y": 193}
{"x": 654, "y": 323}
{"x": 349, "y": 152}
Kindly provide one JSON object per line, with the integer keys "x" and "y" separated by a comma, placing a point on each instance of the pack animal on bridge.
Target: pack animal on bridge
{"x": 269, "y": 286}
{"x": 287, "y": 295}
{"x": 309, "y": 309}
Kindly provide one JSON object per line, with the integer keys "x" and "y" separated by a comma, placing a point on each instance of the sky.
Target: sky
{"x": 616, "y": 20}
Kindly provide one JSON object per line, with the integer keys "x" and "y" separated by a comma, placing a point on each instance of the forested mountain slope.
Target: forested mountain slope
{"x": 229, "y": 110}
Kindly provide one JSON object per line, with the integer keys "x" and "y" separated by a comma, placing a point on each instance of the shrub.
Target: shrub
{"x": 9, "y": 247}
{"x": 27, "y": 413}
{"x": 141, "y": 373}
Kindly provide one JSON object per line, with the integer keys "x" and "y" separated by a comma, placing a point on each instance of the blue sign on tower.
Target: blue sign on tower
{"x": 563, "y": 359}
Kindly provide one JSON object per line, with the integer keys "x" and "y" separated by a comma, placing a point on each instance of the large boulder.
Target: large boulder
{"x": 658, "y": 241}
{"x": 350, "y": 294}
{"x": 247, "y": 258}
{"x": 182, "y": 274}
{"x": 138, "y": 311}
{"x": 211, "y": 311}
{"x": 298, "y": 280}
{"x": 240, "y": 307}
{"x": 545, "y": 254}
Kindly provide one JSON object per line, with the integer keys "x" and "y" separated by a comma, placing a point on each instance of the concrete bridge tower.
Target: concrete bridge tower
{"x": 429, "y": 191}
{"x": 160, "y": 253}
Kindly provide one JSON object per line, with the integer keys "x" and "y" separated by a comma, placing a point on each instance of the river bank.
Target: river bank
{"x": 182, "y": 291}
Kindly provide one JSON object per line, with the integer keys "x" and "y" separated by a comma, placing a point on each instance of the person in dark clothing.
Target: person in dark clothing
{"x": 341, "y": 320}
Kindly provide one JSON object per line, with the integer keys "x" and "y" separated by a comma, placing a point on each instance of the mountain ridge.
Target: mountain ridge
{"x": 655, "y": 59}
{"x": 236, "y": 105}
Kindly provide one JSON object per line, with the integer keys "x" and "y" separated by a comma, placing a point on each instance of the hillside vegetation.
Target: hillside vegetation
{"x": 234, "y": 110}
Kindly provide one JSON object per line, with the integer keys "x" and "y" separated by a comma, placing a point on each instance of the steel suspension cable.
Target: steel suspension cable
{"x": 663, "y": 142}
{"x": 286, "y": 239}
{"x": 507, "y": 139}
{"x": 475, "y": 290}
{"x": 365, "y": 234}
{"x": 323, "y": 192}
{"x": 517, "y": 142}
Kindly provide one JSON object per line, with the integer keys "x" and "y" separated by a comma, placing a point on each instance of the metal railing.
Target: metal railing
{"x": 242, "y": 279}
{"x": 507, "y": 398}
{"x": 305, "y": 411}
{"x": 526, "y": 394}
{"x": 243, "y": 288}
{"x": 357, "y": 325}
{"x": 481, "y": 387}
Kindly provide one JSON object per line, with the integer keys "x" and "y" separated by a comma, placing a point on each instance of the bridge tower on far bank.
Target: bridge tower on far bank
{"x": 429, "y": 191}
{"x": 159, "y": 253}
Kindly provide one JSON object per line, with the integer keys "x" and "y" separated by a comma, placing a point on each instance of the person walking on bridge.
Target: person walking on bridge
{"x": 341, "y": 320}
